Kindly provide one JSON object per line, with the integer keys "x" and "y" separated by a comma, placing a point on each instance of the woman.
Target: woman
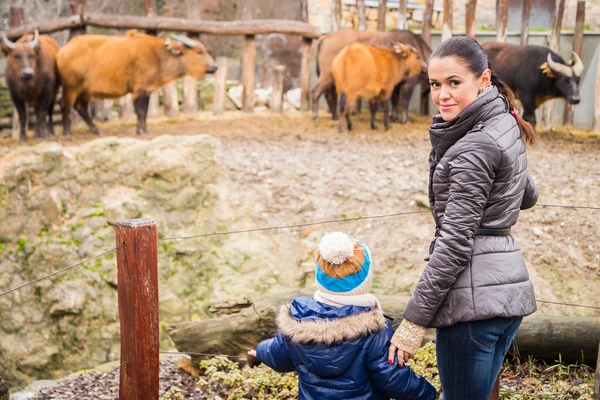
{"x": 475, "y": 289}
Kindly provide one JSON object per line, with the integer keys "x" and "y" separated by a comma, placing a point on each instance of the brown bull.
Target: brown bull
{"x": 371, "y": 72}
{"x": 329, "y": 46}
{"x": 32, "y": 78}
{"x": 109, "y": 67}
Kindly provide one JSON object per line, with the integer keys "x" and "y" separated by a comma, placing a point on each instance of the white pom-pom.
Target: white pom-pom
{"x": 336, "y": 247}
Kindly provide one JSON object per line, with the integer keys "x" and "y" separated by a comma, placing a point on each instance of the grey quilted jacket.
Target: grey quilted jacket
{"x": 478, "y": 179}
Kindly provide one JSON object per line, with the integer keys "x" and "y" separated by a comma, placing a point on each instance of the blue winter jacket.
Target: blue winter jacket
{"x": 339, "y": 353}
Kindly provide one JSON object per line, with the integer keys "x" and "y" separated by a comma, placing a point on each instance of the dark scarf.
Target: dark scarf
{"x": 443, "y": 134}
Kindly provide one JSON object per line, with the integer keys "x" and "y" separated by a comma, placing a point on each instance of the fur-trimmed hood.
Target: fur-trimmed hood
{"x": 309, "y": 321}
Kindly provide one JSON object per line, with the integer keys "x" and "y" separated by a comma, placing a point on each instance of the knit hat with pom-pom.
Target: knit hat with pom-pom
{"x": 343, "y": 265}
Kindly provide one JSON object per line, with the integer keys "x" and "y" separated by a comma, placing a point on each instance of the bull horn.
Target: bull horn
{"x": 8, "y": 43}
{"x": 412, "y": 48}
{"x": 36, "y": 40}
{"x": 559, "y": 68}
{"x": 577, "y": 66}
{"x": 184, "y": 40}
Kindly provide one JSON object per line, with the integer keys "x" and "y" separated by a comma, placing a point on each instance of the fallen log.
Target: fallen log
{"x": 240, "y": 326}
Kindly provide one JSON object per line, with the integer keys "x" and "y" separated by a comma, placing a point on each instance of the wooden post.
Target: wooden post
{"x": 248, "y": 64}
{"x": 137, "y": 270}
{"x": 525, "y": 22}
{"x": 276, "y": 101}
{"x": 426, "y": 28}
{"x": 502, "y": 21}
{"x": 170, "y": 99}
{"x": 470, "y": 18}
{"x": 362, "y": 15}
{"x": 596, "y": 125}
{"x": 305, "y": 74}
{"x": 336, "y": 15}
{"x": 103, "y": 109}
{"x": 597, "y": 377}
{"x": 554, "y": 45}
{"x": 150, "y": 10}
{"x": 495, "y": 394}
{"x": 76, "y": 7}
{"x": 220, "y": 88}
{"x": 16, "y": 19}
{"x": 447, "y": 26}
{"x": 189, "y": 91}
{"x": 577, "y": 45}
{"x": 126, "y": 107}
{"x": 381, "y": 10}
{"x": 304, "y": 10}
{"x": 402, "y": 23}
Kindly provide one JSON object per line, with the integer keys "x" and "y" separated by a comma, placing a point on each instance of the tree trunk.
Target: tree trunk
{"x": 447, "y": 25}
{"x": 239, "y": 326}
{"x": 502, "y": 21}
{"x": 402, "y": 22}
{"x": 577, "y": 45}
{"x": 362, "y": 15}
{"x": 470, "y": 18}
{"x": 525, "y": 22}
{"x": 381, "y": 10}
{"x": 554, "y": 45}
{"x": 426, "y": 28}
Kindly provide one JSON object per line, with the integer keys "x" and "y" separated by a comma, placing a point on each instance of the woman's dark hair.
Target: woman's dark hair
{"x": 470, "y": 51}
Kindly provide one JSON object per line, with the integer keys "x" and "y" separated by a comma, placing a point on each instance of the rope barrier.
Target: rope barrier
{"x": 567, "y": 206}
{"x": 87, "y": 388}
{"x": 58, "y": 272}
{"x": 567, "y": 304}
{"x": 293, "y": 226}
{"x": 200, "y": 354}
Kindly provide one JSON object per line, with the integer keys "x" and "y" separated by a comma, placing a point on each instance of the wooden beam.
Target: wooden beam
{"x": 154, "y": 102}
{"x": 248, "y": 72}
{"x": 170, "y": 99}
{"x": 577, "y": 45}
{"x": 305, "y": 74}
{"x": 126, "y": 107}
{"x": 502, "y": 20}
{"x": 137, "y": 270}
{"x": 76, "y": 7}
{"x": 336, "y": 15}
{"x": 277, "y": 76}
{"x": 17, "y": 19}
{"x": 362, "y": 15}
{"x": 402, "y": 15}
{"x": 226, "y": 28}
{"x": 554, "y": 45}
{"x": 46, "y": 27}
{"x": 427, "y": 16}
{"x": 381, "y": 10}
{"x": 304, "y": 10}
{"x": 525, "y": 17}
{"x": 596, "y": 125}
{"x": 447, "y": 24}
{"x": 220, "y": 87}
{"x": 470, "y": 18}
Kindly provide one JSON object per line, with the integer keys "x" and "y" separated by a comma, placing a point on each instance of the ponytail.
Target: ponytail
{"x": 527, "y": 131}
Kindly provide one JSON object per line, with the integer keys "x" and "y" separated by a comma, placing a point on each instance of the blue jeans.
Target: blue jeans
{"x": 470, "y": 355}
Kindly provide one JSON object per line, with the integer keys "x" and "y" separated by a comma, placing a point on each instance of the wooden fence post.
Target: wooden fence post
{"x": 525, "y": 17}
{"x": 220, "y": 86}
{"x": 554, "y": 45}
{"x": 126, "y": 107}
{"x": 502, "y": 21}
{"x": 16, "y": 19}
{"x": 596, "y": 125}
{"x": 150, "y": 10}
{"x": 427, "y": 16}
{"x": 336, "y": 15}
{"x": 381, "y": 10}
{"x": 305, "y": 74}
{"x": 189, "y": 91}
{"x": 76, "y": 7}
{"x": 137, "y": 269}
{"x": 577, "y": 45}
{"x": 276, "y": 101}
{"x": 470, "y": 18}
{"x": 304, "y": 10}
{"x": 362, "y": 15}
{"x": 447, "y": 25}
{"x": 402, "y": 23}
{"x": 597, "y": 377}
{"x": 104, "y": 109}
{"x": 248, "y": 79}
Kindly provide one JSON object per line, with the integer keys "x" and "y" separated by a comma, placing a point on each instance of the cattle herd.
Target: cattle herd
{"x": 382, "y": 67}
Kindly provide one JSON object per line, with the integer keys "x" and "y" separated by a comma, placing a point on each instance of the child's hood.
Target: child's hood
{"x": 328, "y": 338}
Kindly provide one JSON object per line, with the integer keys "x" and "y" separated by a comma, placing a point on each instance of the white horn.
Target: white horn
{"x": 7, "y": 42}
{"x": 36, "y": 40}
{"x": 559, "y": 68}
{"x": 577, "y": 65}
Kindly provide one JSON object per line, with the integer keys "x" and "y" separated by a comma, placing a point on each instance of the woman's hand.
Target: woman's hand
{"x": 403, "y": 356}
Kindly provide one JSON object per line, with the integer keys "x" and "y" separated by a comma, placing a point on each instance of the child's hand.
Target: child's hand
{"x": 252, "y": 353}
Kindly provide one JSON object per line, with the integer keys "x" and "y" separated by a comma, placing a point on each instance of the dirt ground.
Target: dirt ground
{"x": 288, "y": 169}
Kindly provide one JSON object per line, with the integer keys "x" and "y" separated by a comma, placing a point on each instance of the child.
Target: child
{"x": 338, "y": 340}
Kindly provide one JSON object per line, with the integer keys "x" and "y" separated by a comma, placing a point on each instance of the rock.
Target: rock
{"x": 293, "y": 98}
{"x": 41, "y": 384}
{"x": 235, "y": 94}
{"x": 261, "y": 109}
{"x": 121, "y": 208}
{"x": 24, "y": 395}
{"x": 262, "y": 96}
{"x": 66, "y": 298}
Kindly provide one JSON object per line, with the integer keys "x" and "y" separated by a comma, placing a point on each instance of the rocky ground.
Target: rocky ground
{"x": 262, "y": 171}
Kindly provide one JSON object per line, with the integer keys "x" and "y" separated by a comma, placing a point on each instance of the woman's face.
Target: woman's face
{"x": 453, "y": 85}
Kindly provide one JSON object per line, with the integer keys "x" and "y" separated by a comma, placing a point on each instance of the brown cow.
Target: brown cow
{"x": 329, "y": 46}
{"x": 109, "y": 67}
{"x": 370, "y": 72}
{"x": 32, "y": 77}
